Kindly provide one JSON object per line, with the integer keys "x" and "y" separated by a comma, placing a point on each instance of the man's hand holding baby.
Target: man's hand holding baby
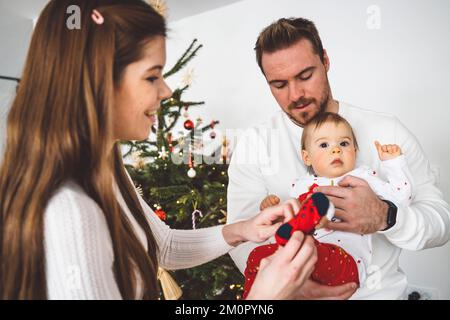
{"x": 357, "y": 206}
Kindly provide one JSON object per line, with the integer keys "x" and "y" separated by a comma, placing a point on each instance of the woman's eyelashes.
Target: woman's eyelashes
{"x": 152, "y": 79}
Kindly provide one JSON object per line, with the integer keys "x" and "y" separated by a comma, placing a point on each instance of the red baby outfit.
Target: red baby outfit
{"x": 334, "y": 265}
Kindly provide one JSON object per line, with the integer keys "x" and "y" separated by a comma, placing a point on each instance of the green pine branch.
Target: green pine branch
{"x": 185, "y": 58}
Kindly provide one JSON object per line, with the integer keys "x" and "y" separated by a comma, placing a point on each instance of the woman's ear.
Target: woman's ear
{"x": 306, "y": 158}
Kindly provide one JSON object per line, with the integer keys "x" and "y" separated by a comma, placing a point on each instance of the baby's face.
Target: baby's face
{"x": 330, "y": 150}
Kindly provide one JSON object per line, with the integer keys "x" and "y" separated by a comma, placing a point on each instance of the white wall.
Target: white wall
{"x": 401, "y": 68}
{"x": 15, "y": 33}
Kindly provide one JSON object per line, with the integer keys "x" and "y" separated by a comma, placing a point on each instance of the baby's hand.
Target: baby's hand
{"x": 388, "y": 151}
{"x": 269, "y": 201}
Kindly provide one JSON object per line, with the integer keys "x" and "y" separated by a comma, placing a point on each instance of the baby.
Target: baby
{"x": 329, "y": 150}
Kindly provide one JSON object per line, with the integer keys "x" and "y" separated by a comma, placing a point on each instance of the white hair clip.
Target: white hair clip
{"x": 97, "y": 17}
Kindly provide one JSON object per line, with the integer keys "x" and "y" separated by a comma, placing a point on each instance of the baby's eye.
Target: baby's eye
{"x": 345, "y": 144}
{"x": 323, "y": 145}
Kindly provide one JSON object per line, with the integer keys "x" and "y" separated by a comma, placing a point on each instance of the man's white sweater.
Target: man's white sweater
{"x": 267, "y": 159}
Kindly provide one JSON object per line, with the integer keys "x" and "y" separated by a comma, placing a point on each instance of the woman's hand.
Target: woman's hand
{"x": 282, "y": 275}
{"x": 267, "y": 222}
{"x": 262, "y": 226}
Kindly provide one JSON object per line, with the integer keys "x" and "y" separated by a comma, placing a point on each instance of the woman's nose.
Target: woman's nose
{"x": 166, "y": 92}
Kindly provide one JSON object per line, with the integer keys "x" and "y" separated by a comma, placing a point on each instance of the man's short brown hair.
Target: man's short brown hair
{"x": 284, "y": 33}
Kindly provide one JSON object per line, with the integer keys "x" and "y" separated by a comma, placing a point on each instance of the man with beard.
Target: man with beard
{"x": 267, "y": 158}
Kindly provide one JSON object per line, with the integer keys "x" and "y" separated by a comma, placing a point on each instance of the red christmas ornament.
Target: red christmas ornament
{"x": 188, "y": 125}
{"x": 161, "y": 214}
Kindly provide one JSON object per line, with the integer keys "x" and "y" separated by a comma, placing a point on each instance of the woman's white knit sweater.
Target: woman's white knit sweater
{"x": 78, "y": 248}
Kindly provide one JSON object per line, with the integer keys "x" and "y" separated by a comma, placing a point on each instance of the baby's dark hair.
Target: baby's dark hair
{"x": 320, "y": 119}
{"x": 325, "y": 117}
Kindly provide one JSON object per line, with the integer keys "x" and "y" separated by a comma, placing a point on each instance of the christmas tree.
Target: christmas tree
{"x": 185, "y": 186}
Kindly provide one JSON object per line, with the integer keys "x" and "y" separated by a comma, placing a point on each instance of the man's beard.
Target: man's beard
{"x": 322, "y": 107}
{"x": 305, "y": 117}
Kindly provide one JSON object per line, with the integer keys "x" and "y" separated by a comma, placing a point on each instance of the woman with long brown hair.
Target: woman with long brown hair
{"x": 72, "y": 225}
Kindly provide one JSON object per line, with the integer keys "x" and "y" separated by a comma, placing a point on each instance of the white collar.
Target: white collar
{"x": 323, "y": 181}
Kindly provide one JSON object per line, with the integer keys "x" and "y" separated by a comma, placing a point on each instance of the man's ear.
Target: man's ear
{"x": 306, "y": 158}
{"x": 326, "y": 60}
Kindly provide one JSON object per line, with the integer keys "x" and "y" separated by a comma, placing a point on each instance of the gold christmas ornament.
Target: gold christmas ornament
{"x": 160, "y": 6}
{"x": 170, "y": 288}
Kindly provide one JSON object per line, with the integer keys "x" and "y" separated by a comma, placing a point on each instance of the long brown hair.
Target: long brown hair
{"x": 59, "y": 128}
